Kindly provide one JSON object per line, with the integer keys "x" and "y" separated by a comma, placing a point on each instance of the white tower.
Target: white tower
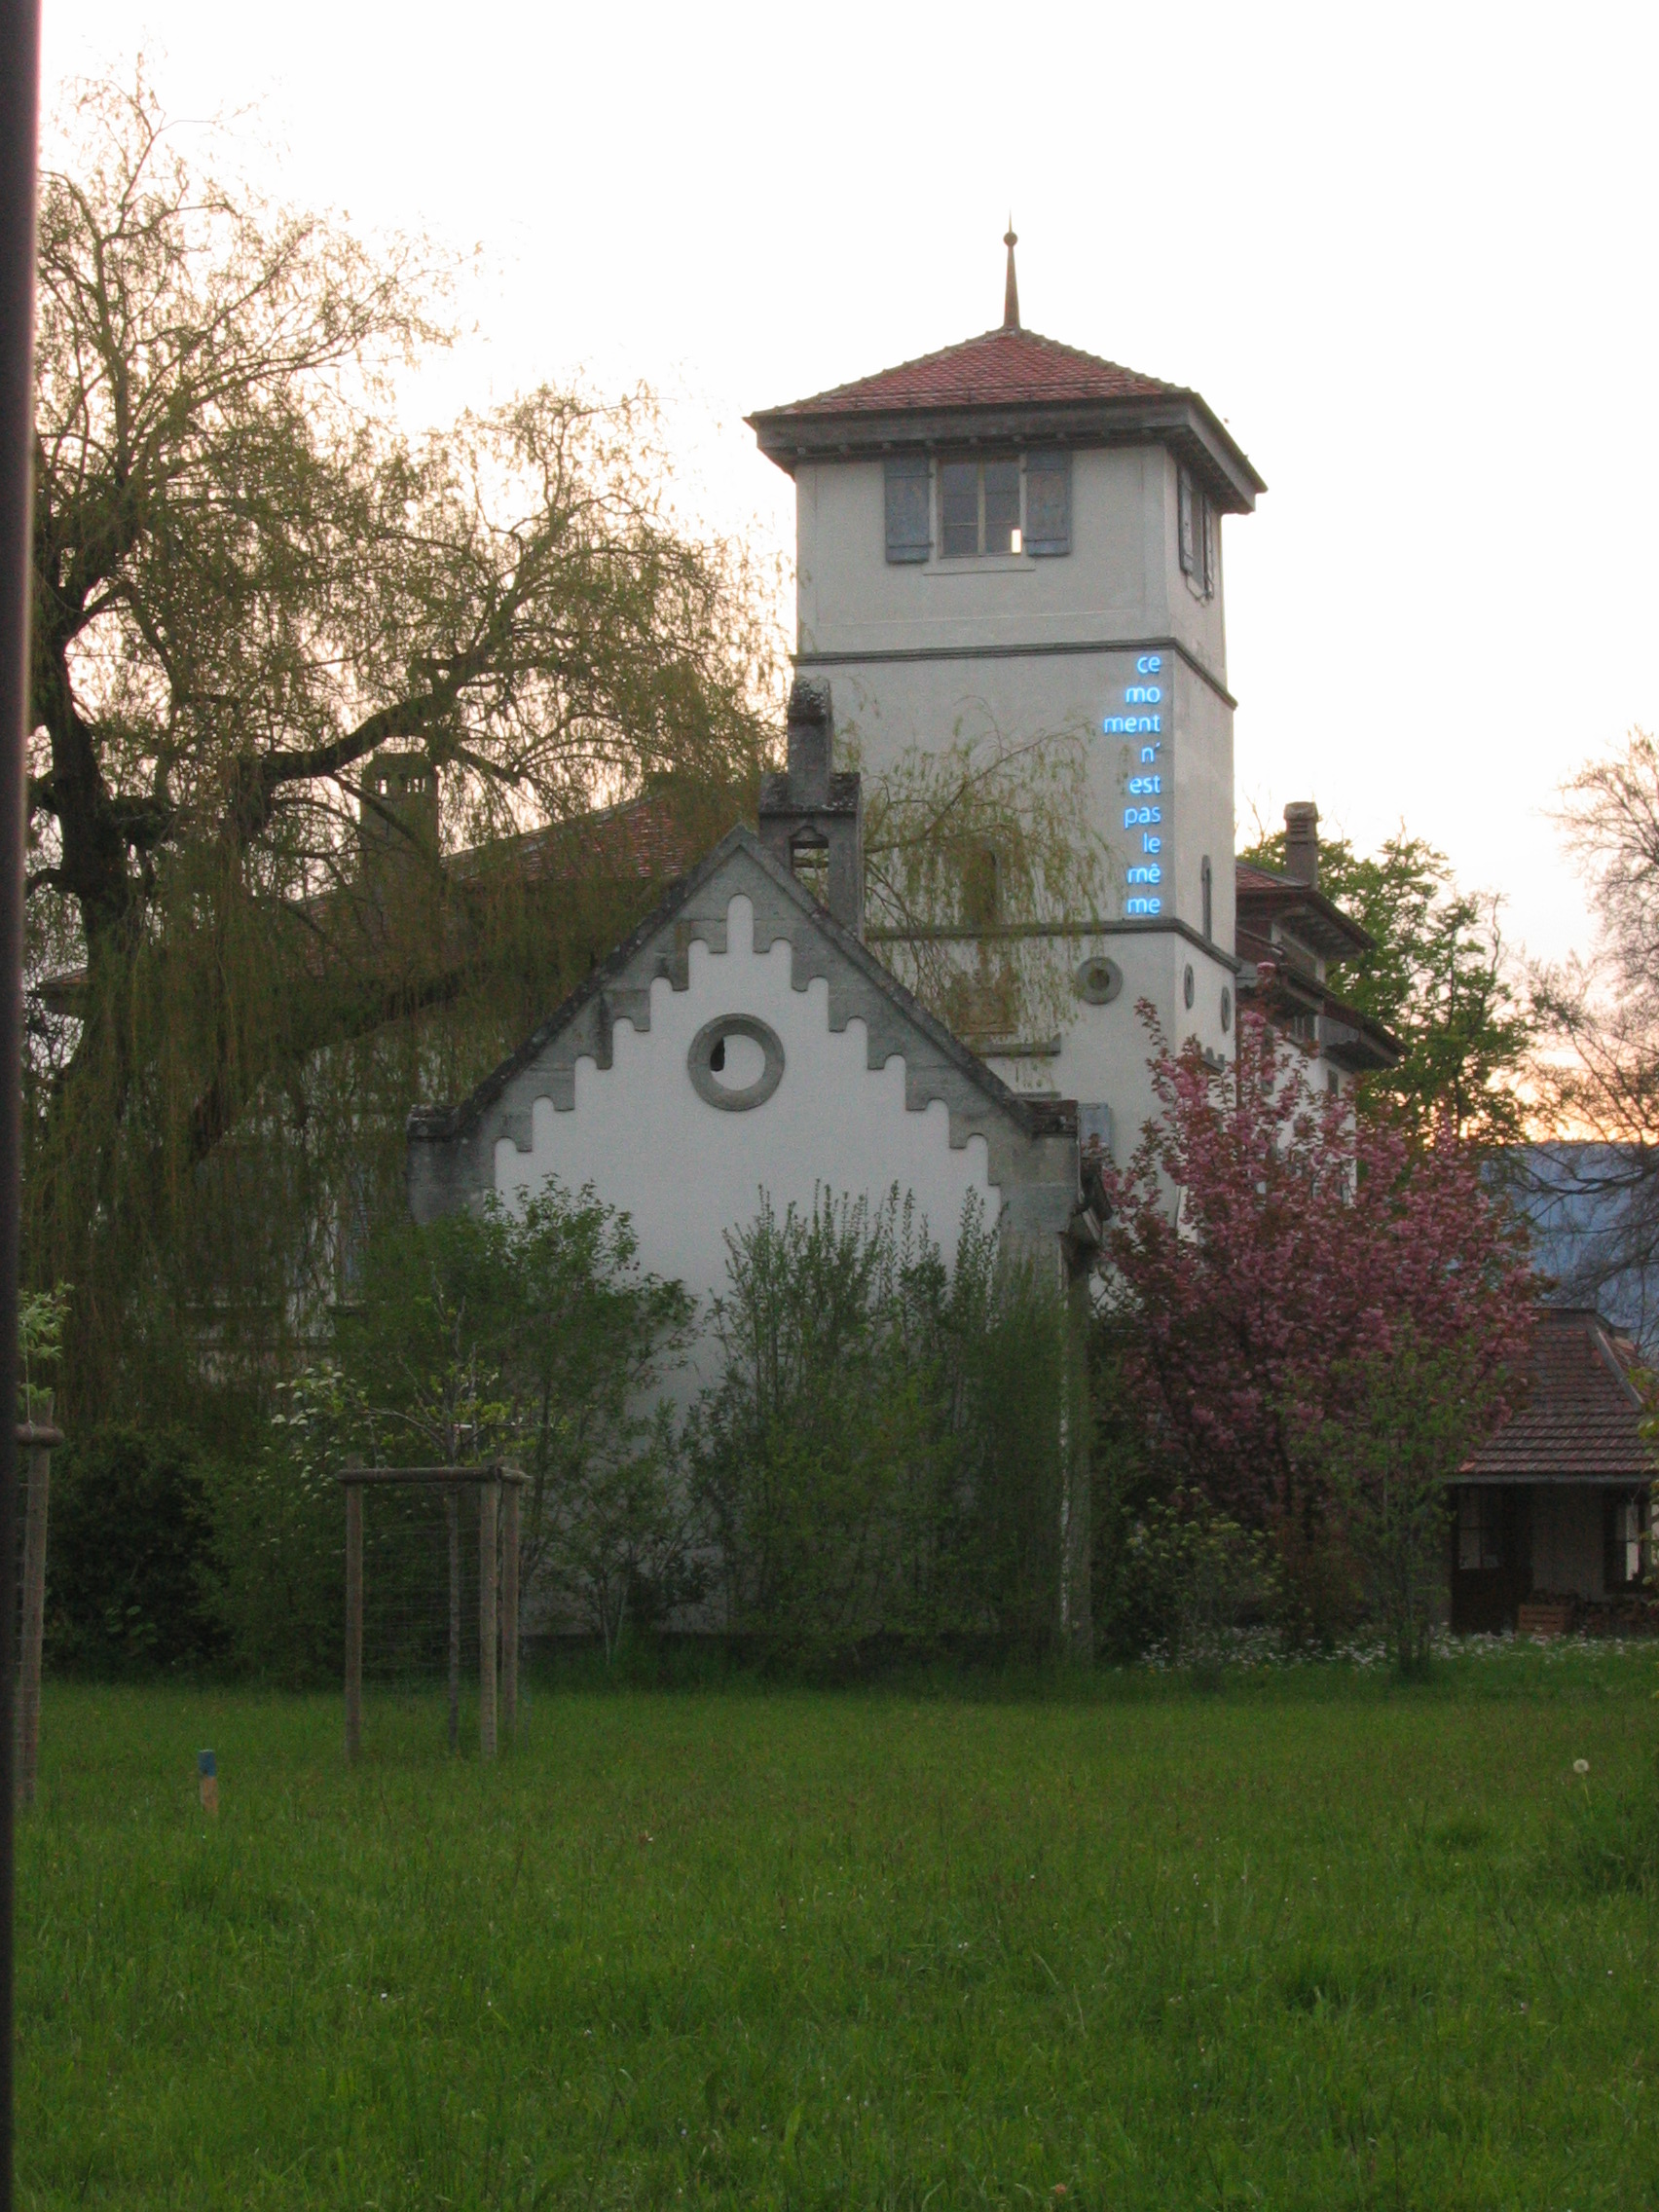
{"x": 1010, "y": 541}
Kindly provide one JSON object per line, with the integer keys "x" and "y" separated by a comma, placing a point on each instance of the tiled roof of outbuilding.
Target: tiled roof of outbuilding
{"x": 1582, "y": 1422}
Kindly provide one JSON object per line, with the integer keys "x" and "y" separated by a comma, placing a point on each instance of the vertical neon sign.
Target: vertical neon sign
{"x": 1143, "y": 719}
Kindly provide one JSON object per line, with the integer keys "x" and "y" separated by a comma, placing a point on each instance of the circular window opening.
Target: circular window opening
{"x": 1225, "y": 1010}
{"x": 1097, "y": 981}
{"x": 1189, "y": 985}
{"x": 735, "y": 1062}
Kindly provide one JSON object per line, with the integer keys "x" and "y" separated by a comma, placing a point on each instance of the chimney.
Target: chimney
{"x": 1302, "y": 842}
{"x": 397, "y": 815}
{"x": 812, "y": 819}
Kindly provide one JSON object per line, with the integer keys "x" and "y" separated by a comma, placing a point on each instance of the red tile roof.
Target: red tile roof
{"x": 1582, "y": 1422}
{"x": 999, "y": 368}
{"x": 1011, "y": 384}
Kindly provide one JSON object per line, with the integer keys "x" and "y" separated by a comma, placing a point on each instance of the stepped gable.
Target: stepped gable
{"x": 1583, "y": 1418}
{"x": 1031, "y": 1142}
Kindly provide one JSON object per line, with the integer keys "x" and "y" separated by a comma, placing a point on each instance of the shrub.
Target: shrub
{"x": 129, "y": 1557}
{"x": 532, "y": 1338}
{"x": 881, "y": 1459}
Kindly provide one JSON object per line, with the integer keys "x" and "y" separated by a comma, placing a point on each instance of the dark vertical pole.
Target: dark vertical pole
{"x": 37, "y": 1438}
{"x": 510, "y": 1609}
{"x": 354, "y": 1619}
{"x": 489, "y": 1497}
{"x": 452, "y": 1512}
{"x": 19, "y": 82}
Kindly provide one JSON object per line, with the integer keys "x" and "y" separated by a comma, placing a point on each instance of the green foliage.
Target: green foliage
{"x": 248, "y": 583}
{"x": 280, "y": 1539}
{"x": 41, "y": 1318}
{"x": 536, "y": 1341}
{"x": 128, "y": 1564}
{"x": 1436, "y": 977}
{"x": 1186, "y": 1575}
{"x": 1293, "y": 1944}
{"x": 881, "y": 1458}
{"x": 1412, "y": 1417}
{"x": 966, "y": 845}
{"x": 588, "y": 1339}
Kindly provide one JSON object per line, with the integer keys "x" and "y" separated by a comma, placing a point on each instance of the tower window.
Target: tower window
{"x": 1207, "y": 888}
{"x": 978, "y": 509}
{"x": 999, "y": 507}
{"x": 1199, "y": 537}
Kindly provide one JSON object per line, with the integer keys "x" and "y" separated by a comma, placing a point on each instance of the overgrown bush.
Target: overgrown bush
{"x": 533, "y": 1339}
{"x": 280, "y": 1544}
{"x": 128, "y": 1565}
{"x": 881, "y": 1461}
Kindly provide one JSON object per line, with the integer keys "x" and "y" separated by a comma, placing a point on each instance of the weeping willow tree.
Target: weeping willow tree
{"x": 976, "y": 857}
{"x": 318, "y": 708}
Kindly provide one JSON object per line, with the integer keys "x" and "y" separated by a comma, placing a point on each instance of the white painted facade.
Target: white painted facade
{"x": 687, "y": 1171}
{"x": 929, "y": 654}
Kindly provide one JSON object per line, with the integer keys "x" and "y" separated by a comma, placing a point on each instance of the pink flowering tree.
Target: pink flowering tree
{"x": 1274, "y": 1252}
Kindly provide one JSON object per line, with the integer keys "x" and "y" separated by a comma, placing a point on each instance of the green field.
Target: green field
{"x": 1305, "y": 1940}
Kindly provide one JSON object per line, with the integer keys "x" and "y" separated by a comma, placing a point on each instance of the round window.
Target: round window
{"x": 735, "y": 1062}
{"x": 1225, "y": 1010}
{"x": 1188, "y": 985}
{"x": 1097, "y": 981}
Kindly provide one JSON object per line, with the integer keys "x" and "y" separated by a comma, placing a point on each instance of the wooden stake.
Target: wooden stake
{"x": 510, "y": 1611}
{"x": 452, "y": 1508}
{"x": 489, "y": 1498}
{"x": 354, "y": 1621}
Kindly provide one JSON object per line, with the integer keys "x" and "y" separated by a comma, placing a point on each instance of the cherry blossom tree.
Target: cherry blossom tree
{"x": 1273, "y": 1249}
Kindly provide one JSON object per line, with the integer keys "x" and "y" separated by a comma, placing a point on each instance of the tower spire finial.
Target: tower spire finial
{"x": 1010, "y": 289}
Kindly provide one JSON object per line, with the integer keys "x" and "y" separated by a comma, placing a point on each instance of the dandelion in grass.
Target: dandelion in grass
{"x": 1581, "y": 1766}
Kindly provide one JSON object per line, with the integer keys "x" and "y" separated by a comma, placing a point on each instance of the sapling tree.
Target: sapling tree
{"x": 1273, "y": 1248}
{"x": 1411, "y": 1415}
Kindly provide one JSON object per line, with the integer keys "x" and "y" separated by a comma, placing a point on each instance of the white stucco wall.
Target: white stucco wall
{"x": 686, "y": 1171}
{"x": 1121, "y": 581}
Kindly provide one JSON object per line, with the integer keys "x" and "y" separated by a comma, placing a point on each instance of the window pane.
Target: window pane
{"x": 959, "y": 509}
{"x": 1001, "y": 505}
{"x": 1189, "y": 550}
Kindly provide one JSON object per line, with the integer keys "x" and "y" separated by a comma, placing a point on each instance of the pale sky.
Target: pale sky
{"x": 1407, "y": 254}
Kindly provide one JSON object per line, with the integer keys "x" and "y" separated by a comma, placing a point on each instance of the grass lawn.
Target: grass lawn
{"x": 1307, "y": 1940}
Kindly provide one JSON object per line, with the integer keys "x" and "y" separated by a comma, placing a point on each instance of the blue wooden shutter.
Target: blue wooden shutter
{"x": 909, "y": 535}
{"x": 1047, "y": 503}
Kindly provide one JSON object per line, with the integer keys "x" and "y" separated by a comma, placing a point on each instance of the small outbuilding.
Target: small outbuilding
{"x": 1552, "y": 1514}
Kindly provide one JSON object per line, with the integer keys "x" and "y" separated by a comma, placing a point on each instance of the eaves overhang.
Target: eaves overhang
{"x": 1180, "y": 419}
